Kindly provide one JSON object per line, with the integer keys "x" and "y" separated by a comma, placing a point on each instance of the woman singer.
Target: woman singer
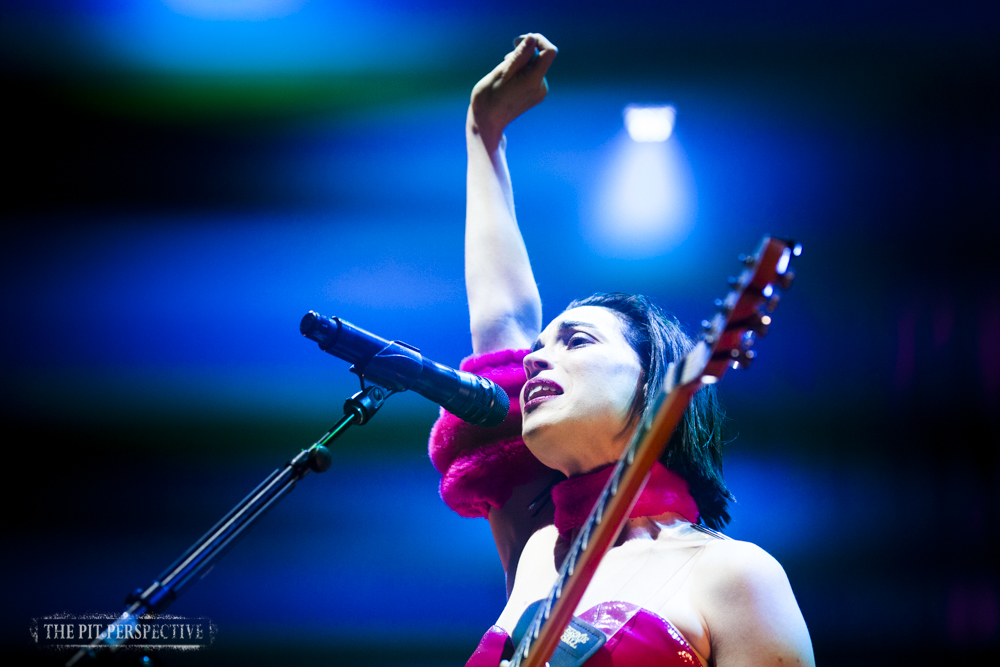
{"x": 673, "y": 590}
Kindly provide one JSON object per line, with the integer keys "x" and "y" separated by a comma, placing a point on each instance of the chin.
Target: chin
{"x": 559, "y": 445}
{"x": 542, "y": 440}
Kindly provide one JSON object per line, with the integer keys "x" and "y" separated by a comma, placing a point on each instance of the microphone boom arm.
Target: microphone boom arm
{"x": 197, "y": 561}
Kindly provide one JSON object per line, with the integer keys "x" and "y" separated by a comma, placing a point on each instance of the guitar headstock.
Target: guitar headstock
{"x": 742, "y": 316}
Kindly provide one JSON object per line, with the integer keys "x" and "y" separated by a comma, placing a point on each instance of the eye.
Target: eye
{"x": 578, "y": 339}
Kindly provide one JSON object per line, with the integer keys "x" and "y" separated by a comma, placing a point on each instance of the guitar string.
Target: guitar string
{"x": 540, "y": 617}
{"x": 698, "y": 551}
{"x": 639, "y": 570}
{"x": 686, "y": 567}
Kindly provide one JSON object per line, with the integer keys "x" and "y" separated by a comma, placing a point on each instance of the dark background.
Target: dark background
{"x": 182, "y": 183}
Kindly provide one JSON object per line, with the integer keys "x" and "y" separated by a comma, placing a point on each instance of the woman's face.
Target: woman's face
{"x": 582, "y": 377}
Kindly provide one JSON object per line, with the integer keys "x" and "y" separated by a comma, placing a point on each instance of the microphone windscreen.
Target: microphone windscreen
{"x": 499, "y": 407}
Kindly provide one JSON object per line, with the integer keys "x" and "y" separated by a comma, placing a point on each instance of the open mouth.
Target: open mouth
{"x": 538, "y": 391}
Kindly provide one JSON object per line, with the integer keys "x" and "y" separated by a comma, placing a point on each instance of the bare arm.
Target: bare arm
{"x": 749, "y": 609}
{"x": 505, "y": 309}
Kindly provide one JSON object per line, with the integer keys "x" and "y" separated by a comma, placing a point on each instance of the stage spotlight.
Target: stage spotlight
{"x": 245, "y": 10}
{"x": 648, "y": 123}
{"x": 645, "y": 200}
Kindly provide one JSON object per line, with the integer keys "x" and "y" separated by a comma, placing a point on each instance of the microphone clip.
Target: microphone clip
{"x": 396, "y": 367}
{"x": 364, "y": 404}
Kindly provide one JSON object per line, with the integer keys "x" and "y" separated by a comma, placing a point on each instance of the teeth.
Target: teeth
{"x": 540, "y": 390}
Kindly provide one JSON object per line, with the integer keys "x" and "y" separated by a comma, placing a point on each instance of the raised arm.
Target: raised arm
{"x": 505, "y": 309}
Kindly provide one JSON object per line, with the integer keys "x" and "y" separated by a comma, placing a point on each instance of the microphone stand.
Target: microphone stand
{"x": 199, "y": 559}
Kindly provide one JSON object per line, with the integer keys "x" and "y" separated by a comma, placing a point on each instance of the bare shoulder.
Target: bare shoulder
{"x": 731, "y": 566}
{"x": 748, "y": 606}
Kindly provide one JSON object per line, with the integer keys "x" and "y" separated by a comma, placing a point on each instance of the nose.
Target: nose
{"x": 535, "y": 363}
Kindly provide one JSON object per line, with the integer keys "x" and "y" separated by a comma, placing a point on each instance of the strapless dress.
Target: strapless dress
{"x": 637, "y": 637}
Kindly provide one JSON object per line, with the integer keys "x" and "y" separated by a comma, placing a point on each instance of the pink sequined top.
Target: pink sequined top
{"x": 636, "y": 638}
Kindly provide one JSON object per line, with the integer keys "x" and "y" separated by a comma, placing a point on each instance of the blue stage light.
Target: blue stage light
{"x": 648, "y": 122}
{"x": 646, "y": 201}
{"x": 235, "y": 10}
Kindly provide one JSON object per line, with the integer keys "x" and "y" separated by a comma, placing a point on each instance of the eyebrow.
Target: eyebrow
{"x": 563, "y": 326}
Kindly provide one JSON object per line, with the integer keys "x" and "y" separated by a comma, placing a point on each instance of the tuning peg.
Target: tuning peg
{"x": 747, "y": 340}
{"x": 772, "y": 303}
{"x": 706, "y": 325}
{"x": 760, "y": 324}
{"x": 733, "y": 281}
{"x": 786, "y": 278}
{"x": 742, "y": 359}
{"x": 794, "y": 246}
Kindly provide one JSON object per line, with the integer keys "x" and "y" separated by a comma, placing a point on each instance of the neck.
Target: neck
{"x": 664, "y": 499}
{"x": 647, "y": 527}
{"x": 639, "y": 528}
{"x": 664, "y": 492}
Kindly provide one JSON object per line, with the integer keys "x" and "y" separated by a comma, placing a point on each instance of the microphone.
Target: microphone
{"x": 398, "y": 367}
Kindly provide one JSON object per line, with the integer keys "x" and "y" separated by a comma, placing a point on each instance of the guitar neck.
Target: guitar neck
{"x": 601, "y": 529}
{"x": 725, "y": 343}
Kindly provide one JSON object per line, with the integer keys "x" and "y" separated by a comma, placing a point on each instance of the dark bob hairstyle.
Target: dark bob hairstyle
{"x": 695, "y": 449}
